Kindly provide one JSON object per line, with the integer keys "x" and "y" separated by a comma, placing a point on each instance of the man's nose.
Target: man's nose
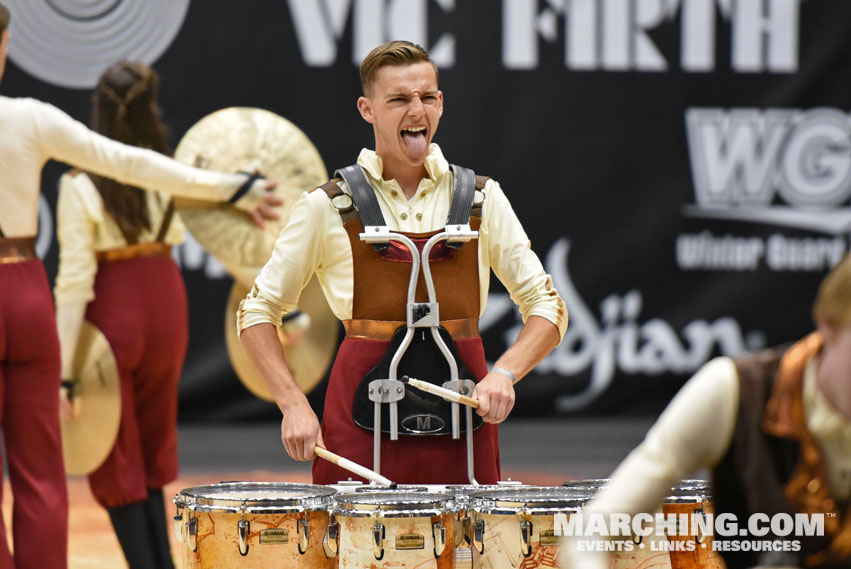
{"x": 417, "y": 108}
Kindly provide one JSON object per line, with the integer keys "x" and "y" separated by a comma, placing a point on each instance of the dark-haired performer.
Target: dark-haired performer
{"x": 31, "y": 133}
{"x": 775, "y": 429}
{"x": 115, "y": 267}
{"x": 413, "y": 184}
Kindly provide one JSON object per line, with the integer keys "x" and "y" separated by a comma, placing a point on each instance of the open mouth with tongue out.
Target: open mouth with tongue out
{"x": 416, "y": 139}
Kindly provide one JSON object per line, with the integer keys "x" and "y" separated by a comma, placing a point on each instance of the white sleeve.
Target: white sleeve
{"x": 298, "y": 253}
{"x": 515, "y": 264}
{"x": 68, "y": 140}
{"x": 695, "y": 431}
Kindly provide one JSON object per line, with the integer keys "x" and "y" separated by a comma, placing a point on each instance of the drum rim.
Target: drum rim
{"x": 395, "y": 505}
{"x": 690, "y": 491}
{"x": 315, "y": 497}
{"x": 533, "y": 500}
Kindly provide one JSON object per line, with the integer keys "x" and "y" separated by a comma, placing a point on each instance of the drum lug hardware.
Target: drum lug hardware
{"x": 526, "y": 535}
{"x": 192, "y": 534}
{"x": 478, "y": 533}
{"x": 378, "y": 541}
{"x": 331, "y": 541}
{"x": 438, "y": 532}
{"x": 244, "y": 529}
{"x": 700, "y": 537}
{"x": 178, "y": 524}
{"x": 303, "y": 534}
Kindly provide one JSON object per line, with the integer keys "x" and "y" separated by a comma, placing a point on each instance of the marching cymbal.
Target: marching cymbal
{"x": 88, "y": 437}
{"x": 308, "y": 358}
{"x": 236, "y": 139}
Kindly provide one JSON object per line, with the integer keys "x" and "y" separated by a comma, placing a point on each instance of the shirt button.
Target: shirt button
{"x": 404, "y": 216}
{"x": 394, "y": 193}
{"x": 419, "y": 217}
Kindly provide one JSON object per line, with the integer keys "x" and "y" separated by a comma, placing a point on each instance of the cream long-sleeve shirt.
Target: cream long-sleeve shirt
{"x": 32, "y": 132}
{"x": 314, "y": 241}
{"x": 694, "y": 432}
{"x": 84, "y": 228}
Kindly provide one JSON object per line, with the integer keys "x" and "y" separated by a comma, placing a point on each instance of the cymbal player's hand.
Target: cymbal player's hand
{"x": 267, "y": 209}
{"x": 495, "y": 393}
{"x": 300, "y": 431}
{"x": 68, "y": 410}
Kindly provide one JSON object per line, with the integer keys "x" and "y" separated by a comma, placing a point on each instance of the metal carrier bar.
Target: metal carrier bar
{"x": 391, "y": 390}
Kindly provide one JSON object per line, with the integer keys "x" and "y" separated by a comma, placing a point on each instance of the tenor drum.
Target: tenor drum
{"x": 688, "y": 548}
{"x": 462, "y": 494}
{"x": 515, "y": 527}
{"x": 384, "y": 530}
{"x": 262, "y": 525}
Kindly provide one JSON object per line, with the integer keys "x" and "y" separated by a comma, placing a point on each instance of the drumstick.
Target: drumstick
{"x": 353, "y": 467}
{"x": 447, "y": 394}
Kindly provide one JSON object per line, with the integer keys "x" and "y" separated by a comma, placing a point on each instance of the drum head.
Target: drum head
{"x": 255, "y": 497}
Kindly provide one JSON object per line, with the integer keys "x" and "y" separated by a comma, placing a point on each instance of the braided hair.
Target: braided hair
{"x": 125, "y": 109}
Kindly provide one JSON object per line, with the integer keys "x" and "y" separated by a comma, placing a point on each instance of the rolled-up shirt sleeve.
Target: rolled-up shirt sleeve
{"x": 68, "y": 140}
{"x": 297, "y": 255}
{"x": 515, "y": 264}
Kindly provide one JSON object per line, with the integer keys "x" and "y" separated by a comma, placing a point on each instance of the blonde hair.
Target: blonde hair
{"x": 833, "y": 301}
{"x": 391, "y": 53}
{"x": 4, "y": 18}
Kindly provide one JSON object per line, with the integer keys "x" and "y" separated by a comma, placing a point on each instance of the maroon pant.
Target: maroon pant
{"x": 140, "y": 306}
{"x": 29, "y": 412}
{"x": 408, "y": 460}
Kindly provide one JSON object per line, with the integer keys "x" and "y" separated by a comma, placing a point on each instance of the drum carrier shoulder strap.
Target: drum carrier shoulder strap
{"x": 367, "y": 208}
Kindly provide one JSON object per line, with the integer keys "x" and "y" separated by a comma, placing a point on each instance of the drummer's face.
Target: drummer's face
{"x": 835, "y": 357}
{"x": 404, "y": 107}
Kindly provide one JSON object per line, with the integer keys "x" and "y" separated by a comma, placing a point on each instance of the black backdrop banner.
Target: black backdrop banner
{"x": 682, "y": 167}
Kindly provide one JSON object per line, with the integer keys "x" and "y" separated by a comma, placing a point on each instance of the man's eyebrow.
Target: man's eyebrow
{"x": 408, "y": 95}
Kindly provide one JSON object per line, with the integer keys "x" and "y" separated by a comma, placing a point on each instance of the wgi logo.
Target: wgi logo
{"x": 780, "y": 167}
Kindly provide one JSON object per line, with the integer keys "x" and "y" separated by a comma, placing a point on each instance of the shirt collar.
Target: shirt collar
{"x": 435, "y": 164}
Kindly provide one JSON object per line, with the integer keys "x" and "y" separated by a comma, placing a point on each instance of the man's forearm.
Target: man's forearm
{"x": 264, "y": 347}
{"x": 537, "y": 338}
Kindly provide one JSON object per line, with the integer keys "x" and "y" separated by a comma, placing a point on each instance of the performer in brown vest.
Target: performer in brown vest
{"x": 31, "y": 133}
{"x": 406, "y": 186}
{"x": 775, "y": 429}
{"x": 115, "y": 267}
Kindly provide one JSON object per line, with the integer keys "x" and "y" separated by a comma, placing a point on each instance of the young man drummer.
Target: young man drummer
{"x": 412, "y": 184}
{"x": 31, "y": 133}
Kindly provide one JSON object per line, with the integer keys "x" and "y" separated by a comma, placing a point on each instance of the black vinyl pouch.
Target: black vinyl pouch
{"x": 420, "y": 413}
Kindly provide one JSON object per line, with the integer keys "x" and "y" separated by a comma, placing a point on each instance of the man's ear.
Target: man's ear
{"x": 365, "y": 109}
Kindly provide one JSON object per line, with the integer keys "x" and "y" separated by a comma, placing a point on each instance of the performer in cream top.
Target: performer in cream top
{"x": 413, "y": 186}
{"x": 31, "y": 133}
{"x": 699, "y": 428}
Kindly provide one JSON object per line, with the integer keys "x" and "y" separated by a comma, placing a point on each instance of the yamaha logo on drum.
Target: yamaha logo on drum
{"x": 422, "y": 424}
